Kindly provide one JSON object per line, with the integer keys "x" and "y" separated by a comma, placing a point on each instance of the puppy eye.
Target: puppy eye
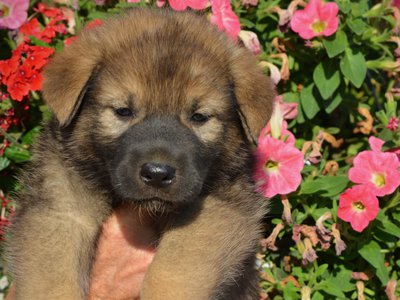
{"x": 199, "y": 118}
{"x": 124, "y": 112}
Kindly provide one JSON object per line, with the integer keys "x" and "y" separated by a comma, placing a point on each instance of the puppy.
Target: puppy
{"x": 159, "y": 110}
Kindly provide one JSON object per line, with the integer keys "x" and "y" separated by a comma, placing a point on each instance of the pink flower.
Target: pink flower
{"x": 359, "y": 206}
{"x": 250, "y": 40}
{"x": 183, "y": 4}
{"x": 393, "y": 124}
{"x": 278, "y": 167}
{"x": 224, "y": 17}
{"x": 376, "y": 170}
{"x": 13, "y": 13}
{"x": 289, "y": 110}
{"x": 317, "y": 18}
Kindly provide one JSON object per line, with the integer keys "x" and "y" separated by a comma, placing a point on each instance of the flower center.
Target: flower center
{"x": 271, "y": 166}
{"x": 358, "y": 206}
{"x": 4, "y": 10}
{"x": 318, "y": 26}
{"x": 378, "y": 179}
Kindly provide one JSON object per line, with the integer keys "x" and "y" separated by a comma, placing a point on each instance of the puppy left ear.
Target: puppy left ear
{"x": 254, "y": 92}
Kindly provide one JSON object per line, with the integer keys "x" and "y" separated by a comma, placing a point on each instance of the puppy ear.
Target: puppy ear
{"x": 67, "y": 78}
{"x": 254, "y": 93}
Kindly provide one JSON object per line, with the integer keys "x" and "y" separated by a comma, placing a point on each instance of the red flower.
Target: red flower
{"x": 94, "y": 23}
{"x": 38, "y": 56}
{"x": 53, "y": 26}
{"x": 31, "y": 28}
{"x": 17, "y": 87}
{"x": 22, "y": 72}
{"x": 359, "y": 206}
{"x": 50, "y": 12}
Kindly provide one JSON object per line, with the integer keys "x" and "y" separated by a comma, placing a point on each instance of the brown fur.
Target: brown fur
{"x": 165, "y": 66}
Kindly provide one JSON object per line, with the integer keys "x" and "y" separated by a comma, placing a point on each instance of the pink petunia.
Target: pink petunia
{"x": 13, "y": 13}
{"x": 359, "y": 206}
{"x": 317, "y": 18}
{"x": 278, "y": 167}
{"x": 224, "y": 17}
{"x": 183, "y": 4}
{"x": 378, "y": 171}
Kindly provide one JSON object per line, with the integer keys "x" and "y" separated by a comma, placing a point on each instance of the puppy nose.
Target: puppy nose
{"x": 157, "y": 175}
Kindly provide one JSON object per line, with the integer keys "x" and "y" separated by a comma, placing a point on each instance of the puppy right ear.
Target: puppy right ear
{"x": 67, "y": 78}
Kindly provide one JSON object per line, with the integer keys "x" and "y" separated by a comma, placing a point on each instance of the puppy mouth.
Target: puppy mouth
{"x": 154, "y": 204}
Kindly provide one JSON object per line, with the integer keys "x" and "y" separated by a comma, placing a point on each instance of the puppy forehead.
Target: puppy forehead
{"x": 161, "y": 80}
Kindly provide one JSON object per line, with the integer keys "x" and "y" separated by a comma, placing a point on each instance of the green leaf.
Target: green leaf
{"x": 357, "y": 26}
{"x": 4, "y": 163}
{"x": 290, "y": 292}
{"x": 386, "y": 226}
{"x": 321, "y": 270}
{"x": 17, "y": 154}
{"x": 317, "y": 296}
{"x": 309, "y": 102}
{"x": 342, "y": 278}
{"x": 353, "y": 66}
{"x": 330, "y": 288}
{"x": 371, "y": 252}
{"x": 332, "y": 185}
{"x": 336, "y": 44}
{"x": 331, "y": 104}
{"x": 345, "y": 6}
{"x": 327, "y": 78}
{"x": 247, "y": 23}
{"x": 31, "y": 135}
{"x": 38, "y": 42}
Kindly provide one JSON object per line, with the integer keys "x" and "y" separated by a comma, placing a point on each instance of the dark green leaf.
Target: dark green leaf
{"x": 371, "y": 252}
{"x": 353, "y": 67}
{"x": 385, "y": 225}
{"x": 357, "y": 26}
{"x": 332, "y": 103}
{"x": 309, "y": 102}
{"x": 327, "y": 78}
{"x": 4, "y": 163}
{"x": 335, "y": 44}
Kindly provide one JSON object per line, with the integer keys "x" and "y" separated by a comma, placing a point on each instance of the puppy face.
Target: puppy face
{"x": 160, "y": 115}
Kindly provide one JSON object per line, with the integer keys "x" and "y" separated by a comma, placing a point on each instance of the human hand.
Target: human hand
{"x": 125, "y": 250}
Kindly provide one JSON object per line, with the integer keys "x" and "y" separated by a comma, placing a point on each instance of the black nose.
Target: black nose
{"x": 157, "y": 175}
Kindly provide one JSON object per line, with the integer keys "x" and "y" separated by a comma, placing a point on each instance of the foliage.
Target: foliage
{"x": 345, "y": 87}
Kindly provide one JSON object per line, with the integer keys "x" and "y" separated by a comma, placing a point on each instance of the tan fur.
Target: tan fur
{"x": 164, "y": 65}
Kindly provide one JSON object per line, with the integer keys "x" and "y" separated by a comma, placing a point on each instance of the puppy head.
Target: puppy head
{"x": 153, "y": 109}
